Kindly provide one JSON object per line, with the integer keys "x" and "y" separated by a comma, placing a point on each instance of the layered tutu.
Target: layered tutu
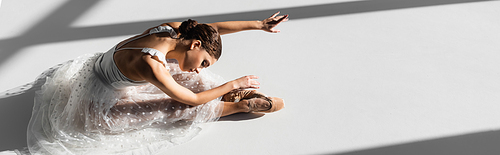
{"x": 76, "y": 113}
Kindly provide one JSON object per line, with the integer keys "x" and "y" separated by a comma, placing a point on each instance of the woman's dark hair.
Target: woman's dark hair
{"x": 209, "y": 37}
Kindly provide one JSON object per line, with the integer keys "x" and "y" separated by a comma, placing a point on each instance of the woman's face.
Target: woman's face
{"x": 195, "y": 60}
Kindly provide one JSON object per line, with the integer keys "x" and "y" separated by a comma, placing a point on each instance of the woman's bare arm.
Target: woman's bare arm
{"x": 236, "y": 26}
{"x": 155, "y": 73}
{"x": 228, "y": 27}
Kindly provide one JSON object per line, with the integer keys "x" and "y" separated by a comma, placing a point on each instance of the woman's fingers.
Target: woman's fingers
{"x": 252, "y": 83}
{"x": 252, "y": 76}
{"x": 275, "y": 14}
{"x": 248, "y": 82}
{"x": 273, "y": 21}
{"x": 280, "y": 19}
{"x": 283, "y": 18}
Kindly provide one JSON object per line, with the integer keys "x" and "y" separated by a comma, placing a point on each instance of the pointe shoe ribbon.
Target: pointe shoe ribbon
{"x": 238, "y": 95}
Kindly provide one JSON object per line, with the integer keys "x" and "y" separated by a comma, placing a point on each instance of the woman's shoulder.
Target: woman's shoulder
{"x": 171, "y": 28}
{"x": 174, "y": 25}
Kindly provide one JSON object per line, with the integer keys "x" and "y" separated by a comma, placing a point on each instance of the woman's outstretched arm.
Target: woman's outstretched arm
{"x": 154, "y": 72}
{"x": 267, "y": 24}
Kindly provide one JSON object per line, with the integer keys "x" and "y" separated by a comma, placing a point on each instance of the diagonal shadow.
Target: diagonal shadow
{"x": 481, "y": 143}
{"x": 53, "y": 28}
{"x": 56, "y": 28}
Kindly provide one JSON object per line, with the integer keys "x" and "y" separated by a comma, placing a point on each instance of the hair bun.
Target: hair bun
{"x": 205, "y": 33}
{"x": 186, "y": 26}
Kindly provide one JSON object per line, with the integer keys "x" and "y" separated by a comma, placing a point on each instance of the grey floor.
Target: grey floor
{"x": 370, "y": 77}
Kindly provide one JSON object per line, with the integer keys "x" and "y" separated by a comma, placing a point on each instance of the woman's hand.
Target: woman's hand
{"x": 246, "y": 82}
{"x": 273, "y": 21}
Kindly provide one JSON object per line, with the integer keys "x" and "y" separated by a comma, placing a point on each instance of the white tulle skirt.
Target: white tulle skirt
{"x": 76, "y": 113}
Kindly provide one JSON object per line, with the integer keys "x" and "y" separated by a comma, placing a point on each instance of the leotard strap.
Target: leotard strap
{"x": 158, "y": 29}
{"x": 168, "y": 29}
{"x": 151, "y": 51}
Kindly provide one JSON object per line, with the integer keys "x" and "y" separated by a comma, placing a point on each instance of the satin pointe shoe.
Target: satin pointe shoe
{"x": 257, "y": 105}
{"x": 238, "y": 95}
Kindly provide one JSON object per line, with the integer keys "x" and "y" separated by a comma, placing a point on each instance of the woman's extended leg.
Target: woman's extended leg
{"x": 129, "y": 113}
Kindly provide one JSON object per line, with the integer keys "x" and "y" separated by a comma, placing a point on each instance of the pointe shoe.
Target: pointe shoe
{"x": 276, "y": 104}
{"x": 237, "y": 95}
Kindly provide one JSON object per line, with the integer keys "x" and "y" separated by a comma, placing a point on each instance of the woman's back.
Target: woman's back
{"x": 129, "y": 53}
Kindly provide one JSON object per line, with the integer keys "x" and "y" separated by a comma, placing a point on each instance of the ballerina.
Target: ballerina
{"x": 146, "y": 93}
